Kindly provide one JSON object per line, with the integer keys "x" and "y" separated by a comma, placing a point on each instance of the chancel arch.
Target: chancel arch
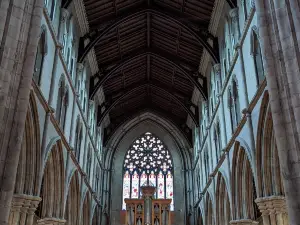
{"x": 126, "y": 137}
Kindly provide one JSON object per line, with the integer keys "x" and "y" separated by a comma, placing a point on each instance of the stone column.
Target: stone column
{"x": 22, "y": 209}
{"x": 20, "y": 27}
{"x": 243, "y": 222}
{"x": 273, "y": 209}
{"x": 280, "y": 51}
{"x": 51, "y": 221}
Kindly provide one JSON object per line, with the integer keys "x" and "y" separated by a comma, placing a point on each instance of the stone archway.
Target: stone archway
{"x": 243, "y": 186}
{"x": 223, "y": 207}
{"x": 118, "y": 155}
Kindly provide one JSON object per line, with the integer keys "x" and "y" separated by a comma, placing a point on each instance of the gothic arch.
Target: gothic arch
{"x": 96, "y": 215}
{"x": 269, "y": 180}
{"x": 209, "y": 212}
{"x": 86, "y": 210}
{"x": 199, "y": 217}
{"x": 27, "y": 181}
{"x": 116, "y": 156}
{"x": 52, "y": 185}
{"x": 243, "y": 186}
{"x": 71, "y": 213}
{"x": 223, "y": 205}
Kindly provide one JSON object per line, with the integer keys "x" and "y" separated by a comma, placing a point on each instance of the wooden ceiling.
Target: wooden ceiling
{"x": 148, "y": 52}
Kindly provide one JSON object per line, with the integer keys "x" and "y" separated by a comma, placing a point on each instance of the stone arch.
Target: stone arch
{"x": 86, "y": 210}
{"x": 96, "y": 216}
{"x": 243, "y": 186}
{"x": 73, "y": 201}
{"x": 52, "y": 185}
{"x": 199, "y": 217}
{"x": 27, "y": 181}
{"x": 223, "y": 205}
{"x": 209, "y": 212}
{"x": 249, "y": 152}
{"x": 120, "y": 145}
{"x": 269, "y": 180}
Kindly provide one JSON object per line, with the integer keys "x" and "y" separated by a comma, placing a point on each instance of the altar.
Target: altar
{"x": 148, "y": 210}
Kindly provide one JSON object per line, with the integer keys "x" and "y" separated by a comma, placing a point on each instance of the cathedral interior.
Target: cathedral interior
{"x": 149, "y": 112}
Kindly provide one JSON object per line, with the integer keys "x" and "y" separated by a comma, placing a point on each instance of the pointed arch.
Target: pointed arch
{"x": 223, "y": 206}
{"x": 86, "y": 210}
{"x": 199, "y": 217}
{"x": 41, "y": 52}
{"x": 209, "y": 213}
{"x": 243, "y": 186}
{"x": 96, "y": 216}
{"x": 268, "y": 168}
{"x": 52, "y": 185}
{"x": 28, "y": 172}
{"x": 257, "y": 55}
{"x": 73, "y": 201}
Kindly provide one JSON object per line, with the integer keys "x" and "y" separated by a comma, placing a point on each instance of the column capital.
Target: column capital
{"x": 80, "y": 67}
{"x": 243, "y": 222}
{"x": 217, "y": 69}
{"x": 271, "y": 205}
{"x": 64, "y": 15}
{"x": 25, "y": 203}
{"x": 234, "y": 14}
{"x": 51, "y": 221}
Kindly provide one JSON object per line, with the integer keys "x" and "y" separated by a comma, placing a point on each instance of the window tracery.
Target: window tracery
{"x": 148, "y": 161}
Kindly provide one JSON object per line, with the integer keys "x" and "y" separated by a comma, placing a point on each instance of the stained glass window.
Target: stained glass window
{"x": 169, "y": 188}
{"x": 152, "y": 179}
{"x": 135, "y": 185}
{"x": 160, "y": 186}
{"x": 126, "y": 187}
{"x": 148, "y": 161}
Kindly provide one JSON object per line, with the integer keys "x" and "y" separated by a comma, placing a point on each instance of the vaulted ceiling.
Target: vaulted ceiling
{"x": 148, "y": 52}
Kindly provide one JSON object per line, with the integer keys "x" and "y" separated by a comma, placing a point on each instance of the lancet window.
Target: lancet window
{"x": 148, "y": 162}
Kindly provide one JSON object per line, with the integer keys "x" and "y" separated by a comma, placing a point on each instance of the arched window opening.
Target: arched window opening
{"x": 225, "y": 67}
{"x": 230, "y": 106}
{"x": 97, "y": 180}
{"x": 228, "y": 57}
{"x": 206, "y": 164}
{"x": 52, "y": 10}
{"x": 258, "y": 61}
{"x": 148, "y": 161}
{"x": 89, "y": 162}
{"x": 39, "y": 58}
{"x": 217, "y": 140}
{"x": 78, "y": 140}
{"x": 62, "y": 104}
{"x": 236, "y": 102}
{"x": 245, "y": 9}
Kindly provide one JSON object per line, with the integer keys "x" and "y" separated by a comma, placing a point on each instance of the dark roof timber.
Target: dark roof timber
{"x": 173, "y": 61}
{"x": 202, "y": 40}
{"x": 130, "y": 91}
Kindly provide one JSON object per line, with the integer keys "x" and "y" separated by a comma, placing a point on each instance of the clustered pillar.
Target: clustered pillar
{"x": 273, "y": 210}
{"x": 22, "y": 209}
